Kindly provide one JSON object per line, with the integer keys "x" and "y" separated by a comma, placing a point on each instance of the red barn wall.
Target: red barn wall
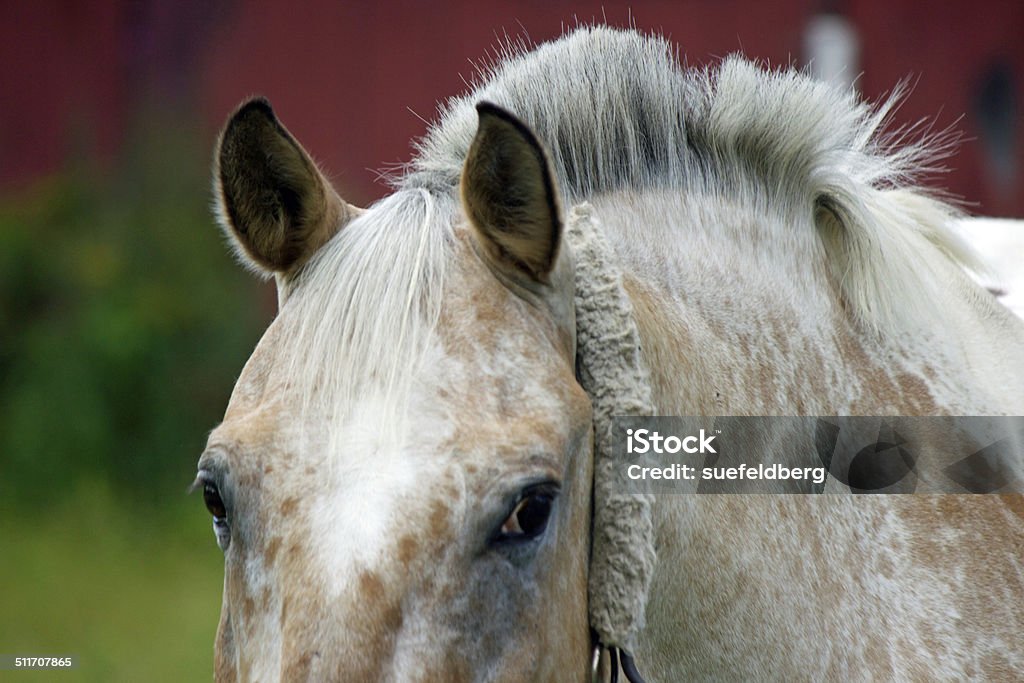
{"x": 344, "y": 76}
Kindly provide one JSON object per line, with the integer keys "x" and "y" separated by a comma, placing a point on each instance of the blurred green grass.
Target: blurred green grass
{"x": 123, "y": 325}
{"x": 135, "y": 596}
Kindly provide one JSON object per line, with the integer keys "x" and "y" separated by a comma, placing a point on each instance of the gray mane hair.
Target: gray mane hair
{"x": 617, "y": 112}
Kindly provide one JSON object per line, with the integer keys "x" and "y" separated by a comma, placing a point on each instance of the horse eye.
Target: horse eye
{"x": 215, "y": 504}
{"x": 529, "y": 518}
{"x": 211, "y": 496}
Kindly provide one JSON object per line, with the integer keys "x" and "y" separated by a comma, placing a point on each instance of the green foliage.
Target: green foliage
{"x": 123, "y": 325}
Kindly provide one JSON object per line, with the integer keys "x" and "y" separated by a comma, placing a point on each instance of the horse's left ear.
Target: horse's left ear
{"x": 508, "y": 192}
{"x": 273, "y": 201}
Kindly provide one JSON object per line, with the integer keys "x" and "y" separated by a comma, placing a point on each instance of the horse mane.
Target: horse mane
{"x": 617, "y": 111}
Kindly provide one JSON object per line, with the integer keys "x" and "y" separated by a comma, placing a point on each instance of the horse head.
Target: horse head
{"x": 401, "y": 483}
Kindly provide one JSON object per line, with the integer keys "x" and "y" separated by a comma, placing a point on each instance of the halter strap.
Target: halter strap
{"x": 616, "y": 657}
{"x": 611, "y": 371}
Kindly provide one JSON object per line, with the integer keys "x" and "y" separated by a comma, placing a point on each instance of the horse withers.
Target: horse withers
{"x": 404, "y": 483}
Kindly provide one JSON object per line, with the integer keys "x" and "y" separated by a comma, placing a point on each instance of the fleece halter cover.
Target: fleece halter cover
{"x": 611, "y": 371}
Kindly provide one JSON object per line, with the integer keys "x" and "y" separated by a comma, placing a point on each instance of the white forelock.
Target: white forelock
{"x": 362, "y": 310}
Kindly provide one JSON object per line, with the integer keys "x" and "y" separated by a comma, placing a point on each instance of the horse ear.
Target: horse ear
{"x": 509, "y": 195}
{"x": 272, "y": 200}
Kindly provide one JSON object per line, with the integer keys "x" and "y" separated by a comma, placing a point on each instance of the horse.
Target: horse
{"x": 408, "y": 480}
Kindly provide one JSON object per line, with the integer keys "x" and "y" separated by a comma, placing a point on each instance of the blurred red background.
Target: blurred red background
{"x": 351, "y": 80}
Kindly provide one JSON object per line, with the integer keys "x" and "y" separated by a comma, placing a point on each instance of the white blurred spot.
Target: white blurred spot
{"x": 1000, "y": 242}
{"x": 832, "y": 49}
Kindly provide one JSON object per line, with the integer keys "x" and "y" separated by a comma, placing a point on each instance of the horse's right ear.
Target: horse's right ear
{"x": 272, "y": 200}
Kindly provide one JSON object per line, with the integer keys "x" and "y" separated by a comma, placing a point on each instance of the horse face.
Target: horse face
{"x": 415, "y": 512}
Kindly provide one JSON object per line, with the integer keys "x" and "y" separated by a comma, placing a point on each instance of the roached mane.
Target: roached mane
{"x": 617, "y": 112}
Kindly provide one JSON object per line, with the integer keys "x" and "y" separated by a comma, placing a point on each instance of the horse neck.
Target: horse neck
{"x": 735, "y": 318}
